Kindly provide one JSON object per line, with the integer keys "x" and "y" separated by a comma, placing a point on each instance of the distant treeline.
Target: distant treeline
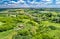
{"x": 41, "y": 9}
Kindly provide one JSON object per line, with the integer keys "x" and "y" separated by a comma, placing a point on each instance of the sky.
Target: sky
{"x": 29, "y": 3}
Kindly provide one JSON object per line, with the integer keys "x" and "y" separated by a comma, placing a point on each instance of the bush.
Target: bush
{"x": 56, "y": 19}
{"x": 52, "y": 27}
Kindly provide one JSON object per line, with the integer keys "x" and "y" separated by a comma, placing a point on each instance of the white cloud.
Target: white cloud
{"x": 46, "y": 0}
{"x": 22, "y": 3}
{"x": 58, "y": 2}
{"x": 12, "y": 2}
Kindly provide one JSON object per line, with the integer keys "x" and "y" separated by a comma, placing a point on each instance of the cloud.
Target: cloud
{"x": 12, "y": 2}
{"x": 22, "y": 3}
{"x": 58, "y": 2}
{"x": 46, "y": 0}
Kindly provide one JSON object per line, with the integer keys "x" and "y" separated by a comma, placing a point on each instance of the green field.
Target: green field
{"x": 29, "y": 24}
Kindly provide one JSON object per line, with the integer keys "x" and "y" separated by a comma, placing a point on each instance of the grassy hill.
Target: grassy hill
{"x": 29, "y": 24}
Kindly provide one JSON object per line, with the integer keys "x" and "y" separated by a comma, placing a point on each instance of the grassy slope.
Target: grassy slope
{"x": 10, "y": 33}
{"x": 7, "y": 34}
{"x": 47, "y": 23}
{"x": 53, "y": 33}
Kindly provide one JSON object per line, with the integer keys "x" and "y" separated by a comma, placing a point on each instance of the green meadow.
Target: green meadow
{"x": 29, "y": 24}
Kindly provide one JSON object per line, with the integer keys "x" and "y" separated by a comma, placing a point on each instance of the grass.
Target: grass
{"x": 30, "y": 25}
{"x": 47, "y": 23}
{"x": 7, "y": 34}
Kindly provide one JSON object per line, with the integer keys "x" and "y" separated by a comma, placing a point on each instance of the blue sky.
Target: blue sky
{"x": 30, "y": 3}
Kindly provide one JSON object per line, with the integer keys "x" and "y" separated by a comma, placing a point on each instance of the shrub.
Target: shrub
{"x": 56, "y": 19}
{"x": 52, "y": 27}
